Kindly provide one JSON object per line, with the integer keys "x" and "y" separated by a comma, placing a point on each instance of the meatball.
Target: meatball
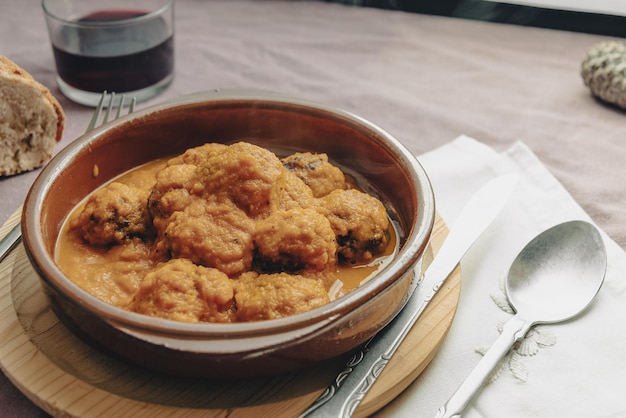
{"x": 171, "y": 192}
{"x": 212, "y": 233}
{"x": 249, "y": 175}
{"x": 271, "y": 296}
{"x": 316, "y": 172}
{"x": 295, "y": 240}
{"x": 295, "y": 194}
{"x": 183, "y": 291}
{"x": 196, "y": 155}
{"x": 114, "y": 214}
{"x": 359, "y": 221}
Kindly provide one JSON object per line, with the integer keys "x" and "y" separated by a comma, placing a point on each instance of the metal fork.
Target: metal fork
{"x": 13, "y": 237}
{"x": 111, "y": 104}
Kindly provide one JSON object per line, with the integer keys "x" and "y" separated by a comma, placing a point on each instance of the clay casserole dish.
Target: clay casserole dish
{"x": 269, "y": 120}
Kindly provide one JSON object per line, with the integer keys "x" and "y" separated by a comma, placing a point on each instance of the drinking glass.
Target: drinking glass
{"x": 119, "y": 46}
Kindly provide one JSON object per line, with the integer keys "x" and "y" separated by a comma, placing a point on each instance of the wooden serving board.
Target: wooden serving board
{"x": 66, "y": 377}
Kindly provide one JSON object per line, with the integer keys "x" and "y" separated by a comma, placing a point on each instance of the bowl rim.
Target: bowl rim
{"x": 416, "y": 239}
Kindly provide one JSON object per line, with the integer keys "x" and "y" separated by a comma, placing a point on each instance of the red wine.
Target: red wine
{"x": 119, "y": 58}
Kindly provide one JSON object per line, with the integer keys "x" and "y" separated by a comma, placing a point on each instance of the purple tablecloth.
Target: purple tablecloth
{"x": 425, "y": 79}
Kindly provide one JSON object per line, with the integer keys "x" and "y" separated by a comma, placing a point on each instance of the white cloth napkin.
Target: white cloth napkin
{"x": 572, "y": 369}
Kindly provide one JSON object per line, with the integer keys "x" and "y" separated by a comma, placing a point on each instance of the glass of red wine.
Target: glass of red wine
{"x": 119, "y": 46}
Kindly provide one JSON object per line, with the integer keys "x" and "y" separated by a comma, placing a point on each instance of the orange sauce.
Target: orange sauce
{"x": 114, "y": 274}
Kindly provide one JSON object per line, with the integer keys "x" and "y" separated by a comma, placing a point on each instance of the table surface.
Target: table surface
{"x": 425, "y": 79}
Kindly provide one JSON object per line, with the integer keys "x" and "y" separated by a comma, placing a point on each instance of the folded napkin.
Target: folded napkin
{"x": 571, "y": 369}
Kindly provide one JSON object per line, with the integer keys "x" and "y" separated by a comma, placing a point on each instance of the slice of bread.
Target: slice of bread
{"x": 31, "y": 120}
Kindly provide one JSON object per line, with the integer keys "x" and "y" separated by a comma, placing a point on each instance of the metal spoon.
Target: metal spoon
{"x": 554, "y": 278}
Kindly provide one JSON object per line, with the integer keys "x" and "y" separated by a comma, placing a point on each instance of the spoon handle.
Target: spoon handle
{"x": 514, "y": 330}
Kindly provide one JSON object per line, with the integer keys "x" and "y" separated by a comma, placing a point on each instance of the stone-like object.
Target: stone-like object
{"x": 604, "y": 72}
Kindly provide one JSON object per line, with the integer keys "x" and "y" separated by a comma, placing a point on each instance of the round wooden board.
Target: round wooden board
{"x": 66, "y": 377}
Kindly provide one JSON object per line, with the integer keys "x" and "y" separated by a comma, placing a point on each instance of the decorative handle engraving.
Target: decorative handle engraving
{"x": 330, "y": 391}
{"x": 371, "y": 359}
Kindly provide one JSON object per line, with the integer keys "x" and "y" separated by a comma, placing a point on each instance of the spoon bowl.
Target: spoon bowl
{"x": 558, "y": 273}
{"x": 554, "y": 278}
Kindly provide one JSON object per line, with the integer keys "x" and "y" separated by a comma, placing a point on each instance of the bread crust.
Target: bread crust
{"x": 31, "y": 120}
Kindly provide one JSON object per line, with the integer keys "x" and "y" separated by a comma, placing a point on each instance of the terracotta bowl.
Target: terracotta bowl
{"x": 275, "y": 122}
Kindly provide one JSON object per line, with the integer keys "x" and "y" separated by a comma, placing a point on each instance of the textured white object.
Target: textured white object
{"x": 604, "y": 72}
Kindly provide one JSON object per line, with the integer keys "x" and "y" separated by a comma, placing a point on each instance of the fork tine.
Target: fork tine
{"x": 96, "y": 113}
{"x": 110, "y": 103}
{"x": 121, "y": 105}
{"x": 108, "y": 112}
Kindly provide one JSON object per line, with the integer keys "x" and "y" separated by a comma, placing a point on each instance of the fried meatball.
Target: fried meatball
{"x": 249, "y": 175}
{"x": 359, "y": 221}
{"x": 316, "y": 172}
{"x": 178, "y": 184}
{"x": 183, "y": 291}
{"x": 114, "y": 214}
{"x": 212, "y": 233}
{"x": 294, "y": 194}
{"x": 172, "y": 192}
{"x": 271, "y": 296}
{"x": 294, "y": 240}
{"x": 196, "y": 155}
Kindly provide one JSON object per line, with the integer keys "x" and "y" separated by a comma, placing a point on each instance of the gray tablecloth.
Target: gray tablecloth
{"x": 425, "y": 79}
